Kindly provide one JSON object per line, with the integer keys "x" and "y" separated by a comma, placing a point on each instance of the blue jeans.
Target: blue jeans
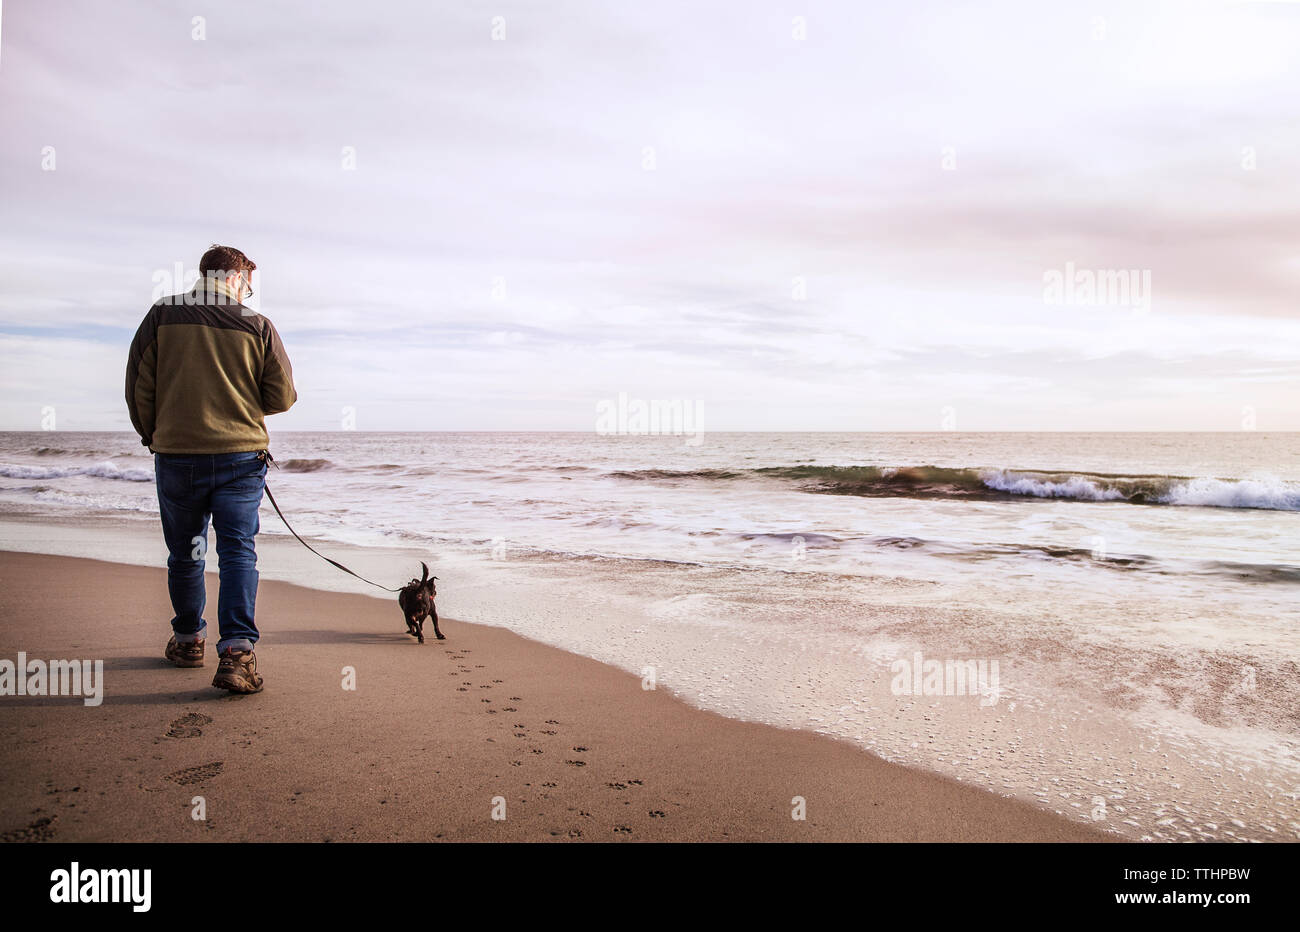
{"x": 228, "y": 488}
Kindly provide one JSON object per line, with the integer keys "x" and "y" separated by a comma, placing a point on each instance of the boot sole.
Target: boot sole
{"x": 180, "y": 660}
{"x": 236, "y": 685}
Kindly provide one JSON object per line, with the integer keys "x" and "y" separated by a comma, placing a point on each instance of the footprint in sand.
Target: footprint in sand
{"x": 189, "y": 725}
{"x": 576, "y": 763}
{"x": 622, "y": 830}
{"x": 191, "y": 775}
{"x": 40, "y": 830}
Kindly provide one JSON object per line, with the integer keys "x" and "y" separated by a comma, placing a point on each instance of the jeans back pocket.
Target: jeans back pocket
{"x": 175, "y": 480}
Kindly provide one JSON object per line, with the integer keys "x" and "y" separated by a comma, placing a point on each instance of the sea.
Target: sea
{"x": 1101, "y": 624}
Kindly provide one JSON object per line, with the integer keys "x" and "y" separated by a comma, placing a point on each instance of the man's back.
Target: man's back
{"x": 203, "y": 372}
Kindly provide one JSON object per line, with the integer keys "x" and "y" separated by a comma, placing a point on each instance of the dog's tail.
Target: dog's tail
{"x": 425, "y": 578}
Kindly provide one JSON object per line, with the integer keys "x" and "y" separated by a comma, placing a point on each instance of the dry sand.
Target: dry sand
{"x": 432, "y": 735}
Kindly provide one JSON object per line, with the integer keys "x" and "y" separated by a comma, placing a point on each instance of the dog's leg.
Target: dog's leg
{"x": 419, "y": 630}
{"x": 433, "y": 616}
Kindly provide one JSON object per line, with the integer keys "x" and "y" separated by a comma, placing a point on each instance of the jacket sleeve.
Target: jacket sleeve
{"x": 278, "y": 393}
{"x": 141, "y": 369}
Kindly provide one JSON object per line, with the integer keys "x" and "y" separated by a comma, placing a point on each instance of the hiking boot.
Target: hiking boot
{"x": 189, "y": 654}
{"x": 237, "y": 672}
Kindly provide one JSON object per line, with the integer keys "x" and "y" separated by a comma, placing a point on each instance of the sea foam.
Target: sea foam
{"x": 104, "y": 470}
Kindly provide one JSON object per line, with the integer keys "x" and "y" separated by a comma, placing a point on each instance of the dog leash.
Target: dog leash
{"x": 265, "y": 457}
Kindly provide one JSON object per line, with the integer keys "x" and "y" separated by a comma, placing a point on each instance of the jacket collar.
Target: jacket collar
{"x": 218, "y": 286}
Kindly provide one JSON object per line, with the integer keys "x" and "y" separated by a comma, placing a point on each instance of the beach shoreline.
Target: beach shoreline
{"x": 771, "y": 649}
{"x": 431, "y": 742}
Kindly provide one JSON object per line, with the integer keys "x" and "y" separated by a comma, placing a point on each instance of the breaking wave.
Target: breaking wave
{"x": 304, "y": 465}
{"x": 104, "y": 470}
{"x": 992, "y": 484}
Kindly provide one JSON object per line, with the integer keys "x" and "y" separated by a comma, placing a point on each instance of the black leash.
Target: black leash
{"x": 265, "y": 456}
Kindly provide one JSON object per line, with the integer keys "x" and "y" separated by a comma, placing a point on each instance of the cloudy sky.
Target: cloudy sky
{"x": 798, "y": 215}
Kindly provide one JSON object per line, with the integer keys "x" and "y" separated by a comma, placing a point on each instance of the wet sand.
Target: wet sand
{"x": 434, "y": 740}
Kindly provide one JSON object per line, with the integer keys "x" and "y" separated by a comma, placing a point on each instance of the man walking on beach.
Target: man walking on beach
{"x": 203, "y": 372}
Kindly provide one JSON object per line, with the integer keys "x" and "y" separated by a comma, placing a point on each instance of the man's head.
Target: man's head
{"x": 229, "y": 265}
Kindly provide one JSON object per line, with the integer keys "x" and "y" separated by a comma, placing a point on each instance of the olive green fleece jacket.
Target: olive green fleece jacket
{"x": 203, "y": 372}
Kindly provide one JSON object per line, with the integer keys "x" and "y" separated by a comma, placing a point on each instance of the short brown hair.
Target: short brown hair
{"x": 226, "y": 260}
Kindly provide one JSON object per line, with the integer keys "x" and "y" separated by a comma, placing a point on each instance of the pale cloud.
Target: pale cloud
{"x": 501, "y": 257}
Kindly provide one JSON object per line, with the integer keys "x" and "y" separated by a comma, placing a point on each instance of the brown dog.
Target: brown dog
{"x": 416, "y": 599}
